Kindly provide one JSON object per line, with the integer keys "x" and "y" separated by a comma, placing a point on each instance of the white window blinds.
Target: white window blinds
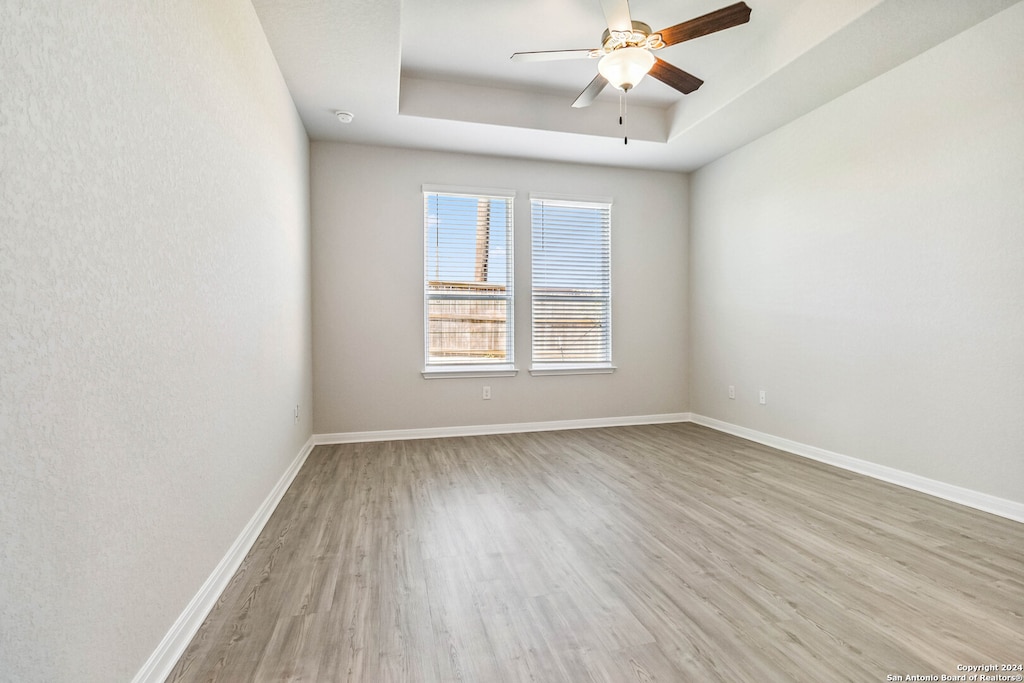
{"x": 467, "y": 277}
{"x": 571, "y": 283}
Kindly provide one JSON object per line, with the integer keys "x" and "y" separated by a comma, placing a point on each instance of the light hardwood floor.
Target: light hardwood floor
{"x": 654, "y": 553}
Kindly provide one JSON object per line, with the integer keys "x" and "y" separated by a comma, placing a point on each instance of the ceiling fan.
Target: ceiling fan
{"x": 627, "y": 48}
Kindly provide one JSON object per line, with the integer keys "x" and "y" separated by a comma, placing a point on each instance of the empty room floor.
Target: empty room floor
{"x": 651, "y": 553}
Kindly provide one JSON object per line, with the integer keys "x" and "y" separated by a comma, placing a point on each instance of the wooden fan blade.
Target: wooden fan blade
{"x": 616, "y": 13}
{"x": 550, "y": 55}
{"x": 675, "y": 77}
{"x": 719, "y": 20}
{"x": 591, "y": 92}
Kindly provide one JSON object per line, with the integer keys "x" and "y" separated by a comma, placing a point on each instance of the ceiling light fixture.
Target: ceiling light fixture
{"x": 625, "y": 67}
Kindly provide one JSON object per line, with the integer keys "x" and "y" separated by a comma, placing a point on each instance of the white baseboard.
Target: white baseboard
{"x": 160, "y": 664}
{"x": 956, "y": 494}
{"x": 482, "y": 430}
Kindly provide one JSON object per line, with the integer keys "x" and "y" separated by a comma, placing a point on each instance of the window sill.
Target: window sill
{"x": 554, "y": 369}
{"x": 468, "y": 371}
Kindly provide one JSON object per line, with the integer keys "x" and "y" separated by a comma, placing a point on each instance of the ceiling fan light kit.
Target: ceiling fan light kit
{"x": 624, "y": 67}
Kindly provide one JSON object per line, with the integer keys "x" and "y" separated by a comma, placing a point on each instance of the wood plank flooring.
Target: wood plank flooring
{"x": 653, "y": 553}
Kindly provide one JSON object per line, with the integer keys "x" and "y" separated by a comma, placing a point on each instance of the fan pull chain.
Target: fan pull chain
{"x": 622, "y": 117}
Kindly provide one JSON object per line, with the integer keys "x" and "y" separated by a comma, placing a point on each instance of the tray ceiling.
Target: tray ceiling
{"x": 436, "y": 74}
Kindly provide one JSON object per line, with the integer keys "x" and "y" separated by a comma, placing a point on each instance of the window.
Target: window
{"x": 467, "y": 282}
{"x": 571, "y": 285}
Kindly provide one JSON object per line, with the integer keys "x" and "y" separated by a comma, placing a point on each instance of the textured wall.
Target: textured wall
{"x": 368, "y": 293}
{"x": 154, "y": 317}
{"x": 865, "y": 266}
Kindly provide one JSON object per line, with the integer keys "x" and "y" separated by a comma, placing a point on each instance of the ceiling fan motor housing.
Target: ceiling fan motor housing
{"x": 640, "y": 36}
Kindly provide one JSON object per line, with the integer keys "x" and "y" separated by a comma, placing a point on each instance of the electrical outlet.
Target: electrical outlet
{"x": 762, "y": 398}
{"x": 732, "y": 392}
{"x": 486, "y": 394}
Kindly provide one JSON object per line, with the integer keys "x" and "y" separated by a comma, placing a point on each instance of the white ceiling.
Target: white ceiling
{"x": 436, "y": 74}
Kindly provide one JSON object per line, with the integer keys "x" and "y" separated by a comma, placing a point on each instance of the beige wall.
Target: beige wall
{"x": 865, "y": 266}
{"x": 154, "y": 317}
{"x": 368, "y": 296}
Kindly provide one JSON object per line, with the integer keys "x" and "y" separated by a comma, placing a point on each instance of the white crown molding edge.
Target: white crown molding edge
{"x": 485, "y": 430}
{"x": 955, "y": 494}
{"x": 160, "y": 664}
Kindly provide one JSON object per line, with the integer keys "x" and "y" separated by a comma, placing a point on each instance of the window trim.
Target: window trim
{"x": 468, "y": 371}
{"x": 542, "y": 368}
{"x": 573, "y": 369}
{"x": 461, "y": 368}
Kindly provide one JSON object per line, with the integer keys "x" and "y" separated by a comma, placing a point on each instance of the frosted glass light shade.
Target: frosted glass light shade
{"x": 624, "y": 67}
